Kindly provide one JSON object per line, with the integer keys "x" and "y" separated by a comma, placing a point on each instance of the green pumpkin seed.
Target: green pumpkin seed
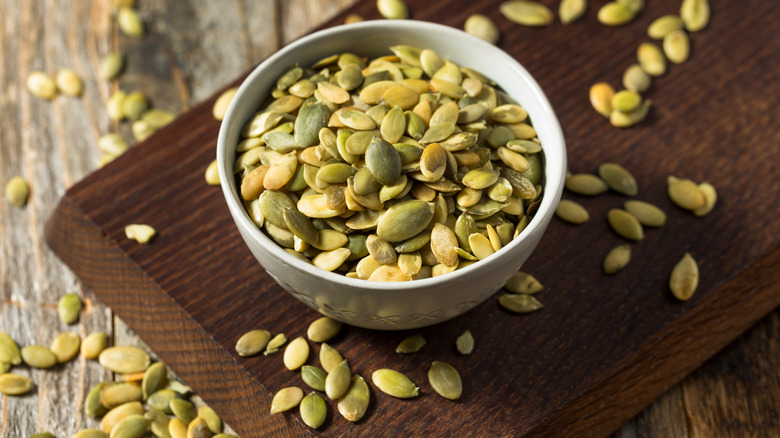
{"x": 301, "y": 226}
{"x": 272, "y": 206}
{"x": 9, "y": 351}
{"x": 183, "y": 410}
{"x": 338, "y": 380}
{"x": 710, "y": 198}
{"x": 411, "y": 344}
{"x": 124, "y": 359}
{"x": 331, "y": 260}
{"x": 695, "y": 14}
{"x": 570, "y": 11}
{"x": 392, "y": 9}
{"x": 112, "y": 144}
{"x": 620, "y": 119}
{"x": 114, "y": 395}
{"x": 381, "y": 250}
{"x": 133, "y": 426}
{"x": 43, "y": 435}
{"x": 601, "y": 95}
{"x": 647, "y": 214}
{"x": 685, "y": 193}
{"x": 482, "y": 27}
{"x": 519, "y": 303}
{"x": 286, "y": 399}
{"x": 290, "y": 77}
{"x": 65, "y": 346}
{"x": 480, "y": 178}
{"x": 323, "y": 329}
{"x": 685, "y": 278}
{"x": 527, "y": 13}
{"x": 313, "y": 410}
{"x": 92, "y": 405}
{"x": 354, "y": 403}
{"x": 155, "y": 379}
{"x": 38, "y": 356}
{"x": 509, "y": 113}
{"x": 17, "y": 191}
{"x": 383, "y": 161}
{"x": 68, "y": 82}
{"x": 433, "y": 161}
{"x": 615, "y": 14}
{"x": 109, "y": 421}
{"x": 572, "y": 212}
{"x": 523, "y": 283}
{"x": 161, "y": 400}
{"x": 14, "y": 384}
{"x": 93, "y": 345}
{"x": 314, "y": 377}
{"x": 394, "y": 384}
{"x": 111, "y": 65}
{"x": 212, "y": 420}
{"x": 465, "y": 343}
{"x": 586, "y": 184}
{"x": 523, "y": 184}
{"x": 115, "y": 104}
{"x": 634, "y": 78}
{"x": 275, "y": 343}
{"x": 677, "y": 47}
{"x": 626, "y": 101}
{"x": 296, "y": 353}
{"x": 662, "y": 26}
{"x": 311, "y": 118}
{"x": 445, "y": 380}
{"x": 130, "y": 22}
{"x": 404, "y": 220}
{"x": 618, "y": 179}
{"x": 651, "y": 59}
{"x": 68, "y": 308}
{"x": 617, "y": 259}
{"x": 198, "y": 428}
{"x": 134, "y": 104}
{"x": 90, "y": 433}
{"x": 625, "y": 224}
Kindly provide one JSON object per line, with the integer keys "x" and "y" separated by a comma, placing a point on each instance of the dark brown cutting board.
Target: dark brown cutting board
{"x": 601, "y": 349}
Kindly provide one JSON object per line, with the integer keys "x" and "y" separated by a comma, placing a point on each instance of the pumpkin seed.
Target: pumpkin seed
{"x": 141, "y": 129}
{"x": 695, "y": 14}
{"x": 313, "y": 410}
{"x": 133, "y": 426}
{"x": 482, "y": 27}
{"x": 634, "y": 78}
{"x": 331, "y": 260}
{"x": 111, "y": 65}
{"x": 155, "y": 379}
{"x": 68, "y": 308}
{"x": 617, "y": 259}
{"x": 38, "y": 356}
{"x": 570, "y": 11}
{"x": 615, "y": 14}
{"x": 323, "y": 329}
{"x": 14, "y": 384}
{"x": 618, "y": 179}
{"x": 65, "y": 346}
{"x": 296, "y": 353}
{"x": 480, "y": 246}
{"x": 519, "y": 303}
{"x": 626, "y": 101}
{"x": 572, "y": 212}
{"x": 93, "y": 345}
{"x": 354, "y": 403}
{"x": 625, "y": 224}
{"x": 381, "y": 250}
{"x": 68, "y": 82}
{"x": 223, "y": 102}
{"x": 480, "y": 178}
{"x": 677, "y": 47}
{"x": 198, "y": 428}
{"x": 620, "y": 119}
{"x": 685, "y": 278}
{"x": 183, "y": 410}
{"x": 443, "y": 244}
{"x": 394, "y": 384}
{"x": 445, "y": 380}
{"x": 92, "y": 405}
{"x": 112, "y": 144}
{"x": 411, "y": 344}
{"x": 111, "y": 420}
{"x": 633, "y": 5}
{"x": 647, "y": 214}
{"x": 157, "y": 118}
{"x": 134, "y": 104}
{"x": 275, "y": 343}
{"x": 17, "y": 191}
{"x": 119, "y": 394}
{"x": 329, "y": 357}
{"x": 465, "y": 343}
{"x": 44, "y": 435}
{"x": 685, "y": 193}
{"x": 433, "y": 161}
{"x": 314, "y": 377}
{"x": 662, "y": 26}
{"x": 392, "y": 10}
{"x": 651, "y": 59}
{"x": 124, "y": 359}
{"x": 710, "y": 198}
{"x": 586, "y": 184}
{"x": 9, "y": 351}
{"x": 115, "y": 104}
{"x": 338, "y": 380}
{"x": 130, "y": 22}
{"x": 177, "y": 428}
{"x": 161, "y": 400}
{"x": 286, "y": 399}
{"x": 383, "y": 161}
{"x": 523, "y": 283}
{"x": 41, "y": 85}
{"x": 601, "y": 95}
{"x": 90, "y": 433}
{"x": 404, "y": 220}
{"x": 311, "y": 118}
{"x": 141, "y": 233}
{"x": 526, "y": 13}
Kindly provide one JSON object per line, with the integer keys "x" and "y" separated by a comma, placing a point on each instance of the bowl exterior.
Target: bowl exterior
{"x": 394, "y": 306}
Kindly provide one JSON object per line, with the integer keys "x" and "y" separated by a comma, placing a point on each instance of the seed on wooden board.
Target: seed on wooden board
{"x": 119, "y": 413}
{"x": 625, "y": 224}
{"x": 323, "y": 329}
{"x": 213, "y": 422}
{"x": 141, "y": 233}
{"x": 133, "y": 426}
{"x": 68, "y": 82}
{"x": 198, "y": 428}
{"x": 618, "y": 179}
{"x": 212, "y": 174}
{"x": 112, "y": 144}
{"x": 44, "y": 435}
{"x": 684, "y": 278}
{"x": 677, "y": 46}
{"x": 14, "y": 384}
{"x": 615, "y": 14}
{"x": 313, "y": 410}
{"x": 465, "y": 343}
{"x": 130, "y": 22}
{"x": 90, "y": 433}
{"x": 17, "y": 191}
{"x": 329, "y": 357}
{"x": 586, "y": 184}
{"x": 395, "y": 384}
{"x": 119, "y": 394}
{"x": 523, "y": 283}
{"x": 314, "y": 377}
{"x": 338, "y": 380}
{"x": 646, "y": 213}
{"x": 572, "y": 212}
{"x": 685, "y": 193}
{"x": 223, "y": 102}
{"x": 155, "y": 378}
{"x": 286, "y": 399}
{"x": 651, "y": 58}
{"x": 177, "y": 428}
{"x": 392, "y": 9}
{"x": 9, "y": 351}
{"x": 634, "y": 78}
{"x": 570, "y": 11}
{"x": 601, "y": 98}
{"x": 92, "y": 405}
{"x": 296, "y": 353}
{"x": 134, "y": 104}
{"x": 183, "y": 410}
{"x": 65, "y": 346}
{"x": 124, "y": 359}
{"x": 110, "y": 65}
{"x": 411, "y": 344}
{"x": 353, "y": 405}
{"x": 41, "y": 85}
{"x": 445, "y": 380}
{"x": 275, "y": 343}
{"x": 527, "y": 13}
{"x": 519, "y": 303}
{"x": 664, "y": 25}
{"x": 69, "y": 307}
{"x": 94, "y": 344}
{"x": 695, "y": 14}
{"x": 161, "y": 400}
{"x": 617, "y": 259}
{"x": 620, "y": 119}
{"x": 38, "y": 356}
{"x": 626, "y": 101}
{"x": 482, "y": 27}
{"x": 157, "y": 118}
{"x": 710, "y": 198}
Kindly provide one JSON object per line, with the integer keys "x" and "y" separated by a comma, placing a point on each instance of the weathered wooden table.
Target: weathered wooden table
{"x": 193, "y": 49}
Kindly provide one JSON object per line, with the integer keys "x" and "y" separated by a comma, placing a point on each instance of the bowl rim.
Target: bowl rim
{"x": 552, "y": 186}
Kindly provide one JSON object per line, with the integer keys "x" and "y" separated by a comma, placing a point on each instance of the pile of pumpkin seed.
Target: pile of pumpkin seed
{"x": 406, "y": 166}
{"x": 335, "y": 379}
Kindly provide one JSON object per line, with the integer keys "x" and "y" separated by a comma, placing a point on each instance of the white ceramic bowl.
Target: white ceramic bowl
{"x": 418, "y": 303}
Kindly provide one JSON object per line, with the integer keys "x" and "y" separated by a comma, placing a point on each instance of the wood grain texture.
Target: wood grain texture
{"x": 185, "y": 58}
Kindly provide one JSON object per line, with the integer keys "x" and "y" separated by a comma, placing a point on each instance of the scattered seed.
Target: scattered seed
{"x": 65, "y": 346}
{"x": 617, "y": 259}
{"x": 112, "y": 144}
{"x": 445, "y": 380}
{"x": 130, "y": 22}
{"x": 615, "y": 14}
{"x": 118, "y": 394}
{"x": 523, "y": 283}
{"x": 124, "y": 359}
{"x": 314, "y": 377}
{"x": 94, "y": 344}
{"x": 286, "y": 399}
{"x": 329, "y": 357}
{"x": 685, "y": 193}
{"x": 634, "y": 78}
{"x": 157, "y": 118}
{"x": 14, "y": 384}
{"x": 198, "y": 428}
{"x": 393, "y": 9}
{"x": 90, "y": 433}
{"x": 113, "y": 417}
{"x": 183, "y": 410}
{"x": 411, "y": 344}
{"x": 601, "y": 95}
{"x": 212, "y": 174}
{"x": 626, "y": 101}
{"x": 482, "y": 27}
{"x": 570, "y": 11}
{"x": 625, "y": 224}
{"x": 92, "y": 405}
{"x": 211, "y": 418}
{"x": 161, "y": 400}
{"x": 618, "y": 179}
{"x": 323, "y": 329}
{"x": 9, "y": 351}
{"x": 354, "y": 403}
{"x": 68, "y": 308}
{"x": 527, "y": 13}
{"x": 677, "y": 47}
{"x": 141, "y": 233}
{"x": 646, "y": 213}
{"x": 68, "y": 82}
{"x": 465, "y": 343}
{"x": 132, "y": 426}
{"x": 41, "y": 85}
{"x": 395, "y": 384}
{"x": 252, "y": 342}
{"x": 586, "y": 184}
{"x": 338, "y": 380}
{"x": 313, "y": 410}
{"x": 620, "y": 119}
{"x": 17, "y": 191}
{"x": 662, "y": 26}
{"x": 519, "y": 303}
{"x": 111, "y": 65}
{"x": 710, "y": 198}
{"x": 296, "y": 353}
{"x": 651, "y": 59}
{"x": 572, "y": 212}
{"x": 685, "y": 278}
{"x": 275, "y": 343}
{"x": 223, "y": 102}
{"x": 695, "y": 14}
{"x": 155, "y": 379}
{"x": 135, "y": 104}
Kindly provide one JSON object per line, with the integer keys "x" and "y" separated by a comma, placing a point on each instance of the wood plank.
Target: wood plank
{"x": 560, "y": 377}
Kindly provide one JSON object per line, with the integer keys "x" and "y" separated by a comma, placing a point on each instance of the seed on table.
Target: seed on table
{"x": 134, "y": 104}
{"x": 68, "y": 82}
{"x": 9, "y": 351}
{"x": 684, "y": 278}
{"x": 618, "y": 179}
{"x": 130, "y": 22}
{"x": 620, "y": 119}
{"x": 275, "y": 343}
{"x": 41, "y": 85}
{"x": 92, "y": 405}
{"x": 111, "y": 65}
{"x": 570, "y": 11}
{"x": 395, "y": 384}
{"x": 157, "y": 118}
{"x": 252, "y": 342}
{"x": 411, "y": 344}
{"x": 677, "y": 47}
{"x": 586, "y": 184}
{"x": 617, "y": 259}
{"x": 296, "y": 353}
{"x": 17, "y": 191}
{"x": 392, "y": 9}
{"x": 155, "y": 378}
{"x": 685, "y": 193}
{"x": 710, "y": 198}
{"x": 625, "y": 224}
{"x": 314, "y": 377}
{"x": 465, "y": 343}
{"x": 119, "y": 413}
{"x": 445, "y": 380}
{"x": 572, "y": 212}
{"x": 353, "y": 405}
{"x": 286, "y": 399}
{"x": 69, "y": 307}
{"x": 198, "y": 428}
{"x": 519, "y": 303}
{"x": 115, "y": 104}
{"x": 615, "y": 14}
{"x": 124, "y": 359}
{"x": 112, "y": 144}
{"x": 14, "y": 384}
{"x": 353, "y": 18}
{"x": 651, "y": 58}
{"x": 223, "y": 102}
{"x": 337, "y": 381}
{"x": 141, "y": 130}
{"x": 141, "y": 233}
{"x": 601, "y": 95}
{"x": 212, "y": 174}
{"x": 695, "y": 14}
{"x": 133, "y": 426}
{"x": 161, "y": 400}
{"x": 646, "y": 213}
{"x": 329, "y": 357}
{"x": 523, "y": 283}
{"x": 211, "y": 418}
{"x": 313, "y": 410}
{"x": 323, "y": 329}
{"x": 183, "y": 410}
{"x": 44, "y": 435}
{"x": 626, "y": 101}
{"x": 634, "y": 78}
{"x": 662, "y": 26}
{"x": 482, "y": 27}
{"x": 65, "y": 346}
{"x": 527, "y": 13}
{"x": 93, "y": 345}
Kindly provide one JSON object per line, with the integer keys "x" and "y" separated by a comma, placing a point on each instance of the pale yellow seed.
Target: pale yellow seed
{"x": 651, "y": 58}
{"x": 710, "y": 198}
{"x": 519, "y": 303}
{"x": 647, "y": 214}
{"x": 323, "y": 329}
{"x": 445, "y": 380}
{"x": 93, "y": 345}
{"x": 615, "y": 14}
{"x": 601, "y": 95}
{"x": 38, "y": 356}
{"x": 296, "y": 353}
{"x": 626, "y": 101}
{"x": 124, "y": 359}
{"x": 252, "y": 342}
{"x": 17, "y": 191}
{"x": 330, "y": 260}
{"x": 684, "y": 278}
{"x": 662, "y": 26}
{"x": 634, "y": 78}
{"x": 41, "y": 85}
{"x": 482, "y": 27}
{"x": 411, "y": 344}
{"x": 572, "y": 212}
{"x": 695, "y": 14}
{"x": 111, "y": 65}
{"x": 527, "y": 13}
{"x": 570, "y": 11}
{"x": 523, "y": 283}
{"x": 286, "y": 399}
{"x": 677, "y": 47}
{"x": 212, "y": 174}
{"x": 354, "y": 403}
{"x": 65, "y": 346}
{"x": 69, "y": 83}
{"x": 465, "y": 343}
{"x": 685, "y": 193}
{"x": 141, "y": 233}
{"x": 480, "y": 246}
{"x": 625, "y": 224}
{"x": 177, "y": 428}
{"x": 392, "y": 9}
{"x": 14, "y": 384}
{"x": 353, "y": 18}
{"x": 198, "y": 428}
{"x": 617, "y": 259}
{"x": 395, "y": 384}
{"x": 621, "y": 119}
{"x": 130, "y": 22}
{"x": 337, "y": 380}
{"x": 586, "y": 184}
{"x": 119, "y": 413}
